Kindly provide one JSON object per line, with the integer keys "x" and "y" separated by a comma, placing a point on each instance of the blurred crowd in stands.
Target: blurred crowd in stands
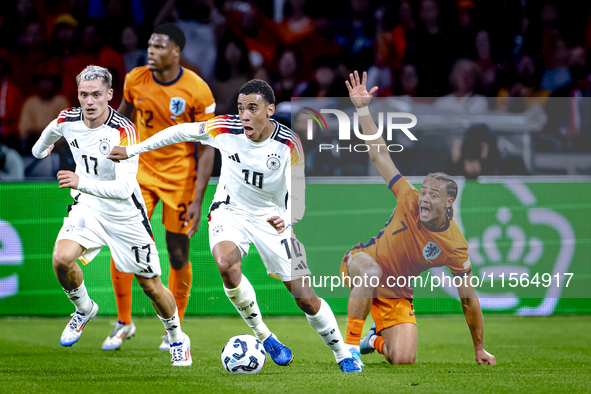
{"x": 489, "y": 55}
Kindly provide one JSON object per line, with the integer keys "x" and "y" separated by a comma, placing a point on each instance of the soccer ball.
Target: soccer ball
{"x": 243, "y": 354}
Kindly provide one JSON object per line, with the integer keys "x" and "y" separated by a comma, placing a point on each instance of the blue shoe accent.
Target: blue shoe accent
{"x": 280, "y": 354}
{"x": 350, "y": 365}
{"x": 364, "y": 347}
{"x": 357, "y": 356}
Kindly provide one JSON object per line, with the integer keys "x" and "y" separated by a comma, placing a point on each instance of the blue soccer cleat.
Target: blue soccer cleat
{"x": 280, "y": 354}
{"x": 364, "y": 347}
{"x": 357, "y": 356}
{"x": 350, "y": 365}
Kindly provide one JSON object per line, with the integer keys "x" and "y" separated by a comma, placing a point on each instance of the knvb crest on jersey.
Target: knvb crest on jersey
{"x": 177, "y": 105}
{"x": 431, "y": 251}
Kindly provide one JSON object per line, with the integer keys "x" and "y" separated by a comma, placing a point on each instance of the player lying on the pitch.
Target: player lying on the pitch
{"x": 260, "y": 195}
{"x": 419, "y": 235}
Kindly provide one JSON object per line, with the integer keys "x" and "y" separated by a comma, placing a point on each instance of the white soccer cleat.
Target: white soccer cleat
{"x": 119, "y": 334}
{"x": 165, "y": 345}
{"x": 74, "y": 328}
{"x": 181, "y": 353}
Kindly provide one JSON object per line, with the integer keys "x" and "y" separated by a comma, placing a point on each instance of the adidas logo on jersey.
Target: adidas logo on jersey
{"x": 301, "y": 266}
{"x": 74, "y": 144}
{"x": 235, "y": 157}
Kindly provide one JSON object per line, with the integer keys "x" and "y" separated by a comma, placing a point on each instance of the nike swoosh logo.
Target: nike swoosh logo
{"x": 351, "y": 333}
{"x": 141, "y": 99}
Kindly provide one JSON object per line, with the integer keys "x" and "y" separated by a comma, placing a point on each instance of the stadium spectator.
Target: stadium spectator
{"x": 94, "y": 52}
{"x": 12, "y": 167}
{"x": 199, "y": 20}
{"x": 132, "y": 55}
{"x": 232, "y": 71}
{"x": 476, "y": 155}
{"x": 464, "y": 79}
{"x": 326, "y": 82}
{"x": 523, "y": 90}
{"x": 427, "y": 48}
{"x": 10, "y": 108}
{"x": 287, "y": 83}
{"x": 557, "y": 74}
{"x": 464, "y": 31}
{"x": 484, "y": 59}
{"x": 40, "y": 109}
{"x": 296, "y": 25}
{"x": 63, "y": 40}
{"x": 320, "y": 43}
{"x": 355, "y": 32}
{"x": 33, "y": 54}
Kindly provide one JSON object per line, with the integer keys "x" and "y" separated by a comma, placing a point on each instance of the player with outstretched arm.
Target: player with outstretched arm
{"x": 260, "y": 196}
{"x": 419, "y": 235}
{"x": 108, "y": 209}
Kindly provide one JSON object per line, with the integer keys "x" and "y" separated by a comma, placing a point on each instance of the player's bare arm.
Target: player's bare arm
{"x": 118, "y": 153}
{"x": 473, "y": 315}
{"x": 126, "y": 109}
{"x": 378, "y": 152}
{"x": 206, "y": 156}
{"x": 67, "y": 179}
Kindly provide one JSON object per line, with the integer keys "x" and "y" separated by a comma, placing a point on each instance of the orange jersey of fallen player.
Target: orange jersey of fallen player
{"x": 405, "y": 247}
{"x": 160, "y": 105}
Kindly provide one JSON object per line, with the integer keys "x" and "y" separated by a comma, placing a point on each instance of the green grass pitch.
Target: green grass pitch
{"x": 537, "y": 354}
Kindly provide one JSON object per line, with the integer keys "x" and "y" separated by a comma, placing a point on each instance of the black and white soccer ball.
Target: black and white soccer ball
{"x": 243, "y": 354}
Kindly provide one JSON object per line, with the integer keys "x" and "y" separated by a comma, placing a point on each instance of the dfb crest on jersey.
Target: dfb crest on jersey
{"x": 177, "y": 105}
{"x": 431, "y": 251}
{"x": 217, "y": 230}
{"x": 104, "y": 147}
{"x": 273, "y": 162}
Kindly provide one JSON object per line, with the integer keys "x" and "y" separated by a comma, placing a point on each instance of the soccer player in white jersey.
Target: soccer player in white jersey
{"x": 108, "y": 209}
{"x": 261, "y": 194}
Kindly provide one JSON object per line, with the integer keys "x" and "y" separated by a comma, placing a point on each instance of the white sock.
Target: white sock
{"x": 371, "y": 341}
{"x": 245, "y": 300}
{"x": 326, "y": 326}
{"x": 80, "y": 299}
{"x": 173, "y": 327}
{"x": 356, "y": 347}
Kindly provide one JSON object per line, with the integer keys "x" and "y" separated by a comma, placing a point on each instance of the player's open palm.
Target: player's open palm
{"x": 358, "y": 90}
{"x": 194, "y": 213}
{"x": 485, "y": 358}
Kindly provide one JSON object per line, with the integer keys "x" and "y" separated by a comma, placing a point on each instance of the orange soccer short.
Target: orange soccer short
{"x": 175, "y": 203}
{"x": 386, "y": 312}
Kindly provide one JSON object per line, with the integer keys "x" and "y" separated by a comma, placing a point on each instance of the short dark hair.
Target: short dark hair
{"x": 258, "y": 86}
{"x": 174, "y": 33}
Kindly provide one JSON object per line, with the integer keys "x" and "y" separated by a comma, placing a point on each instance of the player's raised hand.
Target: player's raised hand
{"x": 485, "y": 358}
{"x": 193, "y": 212}
{"x": 277, "y": 223}
{"x": 118, "y": 153}
{"x": 67, "y": 179}
{"x": 358, "y": 90}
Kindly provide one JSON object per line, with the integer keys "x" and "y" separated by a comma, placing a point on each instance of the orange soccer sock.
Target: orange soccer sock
{"x": 354, "y": 330}
{"x": 122, "y": 287}
{"x": 378, "y": 344}
{"x": 179, "y": 283}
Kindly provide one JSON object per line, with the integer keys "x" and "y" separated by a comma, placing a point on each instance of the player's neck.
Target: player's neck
{"x": 267, "y": 131}
{"x": 437, "y": 224}
{"x": 168, "y": 75}
{"x": 98, "y": 122}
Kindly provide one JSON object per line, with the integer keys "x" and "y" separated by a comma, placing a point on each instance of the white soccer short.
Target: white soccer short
{"x": 131, "y": 245}
{"x": 283, "y": 255}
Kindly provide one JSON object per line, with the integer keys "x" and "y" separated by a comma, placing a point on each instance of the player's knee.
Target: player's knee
{"x": 62, "y": 260}
{"x": 309, "y": 306}
{"x": 177, "y": 259}
{"x": 226, "y": 265}
{"x": 401, "y": 359}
